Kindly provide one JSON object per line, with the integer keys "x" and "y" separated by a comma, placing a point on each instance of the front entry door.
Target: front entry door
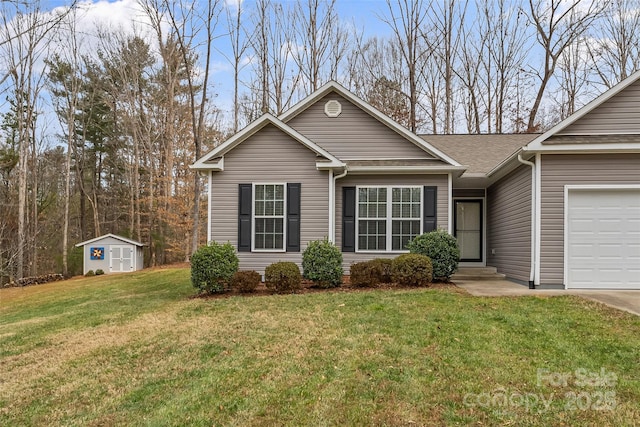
{"x": 468, "y": 229}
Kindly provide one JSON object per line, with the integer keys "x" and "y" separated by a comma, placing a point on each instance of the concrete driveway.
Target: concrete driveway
{"x": 621, "y": 299}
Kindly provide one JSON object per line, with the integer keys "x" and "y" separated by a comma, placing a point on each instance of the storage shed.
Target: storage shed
{"x": 112, "y": 254}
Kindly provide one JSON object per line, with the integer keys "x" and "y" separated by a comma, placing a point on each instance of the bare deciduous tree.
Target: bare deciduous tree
{"x": 614, "y": 45}
{"x": 406, "y": 23}
{"x": 558, "y": 24}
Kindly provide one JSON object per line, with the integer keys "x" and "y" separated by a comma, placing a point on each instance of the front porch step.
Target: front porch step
{"x": 477, "y": 273}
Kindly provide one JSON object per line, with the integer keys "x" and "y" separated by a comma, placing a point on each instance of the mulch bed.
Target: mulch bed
{"x": 309, "y": 288}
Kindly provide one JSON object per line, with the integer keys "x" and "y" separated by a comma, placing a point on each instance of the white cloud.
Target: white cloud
{"x": 125, "y": 17}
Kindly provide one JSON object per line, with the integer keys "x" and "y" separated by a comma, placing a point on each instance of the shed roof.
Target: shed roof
{"x": 123, "y": 239}
{"x": 480, "y": 153}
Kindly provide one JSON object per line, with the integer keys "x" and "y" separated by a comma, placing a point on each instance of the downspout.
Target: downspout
{"x": 332, "y": 205}
{"x": 209, "y": 208}
{"x": 533, "y": 220}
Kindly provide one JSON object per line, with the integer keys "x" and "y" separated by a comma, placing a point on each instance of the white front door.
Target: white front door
{"x": 603, "y": 238}
{"x": 121, "y": 259}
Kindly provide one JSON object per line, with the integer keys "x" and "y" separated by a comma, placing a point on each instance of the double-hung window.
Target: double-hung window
{"x": 269, "y": 216}
{"x": 388, "y": 217}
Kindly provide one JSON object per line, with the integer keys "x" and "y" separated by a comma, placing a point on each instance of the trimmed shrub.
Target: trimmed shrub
{"x": 283, "y": 277}
{"x": 443, "y": 250}
{"x": 412, "y": 270}
{"x": 371, "y": 273}
{"x": 99, "y": 272}
{"x": 364, "y": 274}
{"x": 322, "y": 263}
{"x": 245, "y": 281}
{"x": 89, "y": 273}
{"x": 213, "y": 266}
{"x": 384, "y": 267}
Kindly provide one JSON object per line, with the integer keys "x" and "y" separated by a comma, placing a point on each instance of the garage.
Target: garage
{"x": 602, "y": 235}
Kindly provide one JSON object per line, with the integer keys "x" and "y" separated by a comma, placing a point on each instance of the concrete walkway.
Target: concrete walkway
{"x": 621, "y": 299}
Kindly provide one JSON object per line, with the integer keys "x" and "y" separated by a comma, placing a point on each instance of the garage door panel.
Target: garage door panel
{"x": 603, "y": 238}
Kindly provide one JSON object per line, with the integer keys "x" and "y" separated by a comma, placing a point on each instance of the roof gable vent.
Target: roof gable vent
{"x": 332, "y": 108}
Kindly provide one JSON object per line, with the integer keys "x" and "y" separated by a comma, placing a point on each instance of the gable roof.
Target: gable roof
{"x": 333, "y": 86}
{"x": 114, "y": 236}
{"x": 214, "y": 160}
{"x": 480, "y": 153}
{"x": 538, "y": 144}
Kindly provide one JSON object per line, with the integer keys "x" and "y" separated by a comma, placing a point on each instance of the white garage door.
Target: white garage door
{"x": 603, "y": 238}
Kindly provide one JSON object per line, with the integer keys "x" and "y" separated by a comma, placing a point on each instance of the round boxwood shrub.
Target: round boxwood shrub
{"x": 283, "y": 277}
{"x": 245, "y": 281}
{"x": 362, "y": 274}
{"x": 213, "y": 266}
{"x": 412, "y": 270}
{"x": 99, "y": 272}
{"x": 322, "y": 263}
{"x": 443, "y": 250}
{"x": 90, "y": 273}
{"x": 371, "y": 273}
{"x": 383, "y": 266}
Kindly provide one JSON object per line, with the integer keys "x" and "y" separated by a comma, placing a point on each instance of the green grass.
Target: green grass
{"x": 137, "y": 350}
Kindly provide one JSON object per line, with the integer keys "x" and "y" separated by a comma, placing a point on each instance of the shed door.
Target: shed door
{"x": 603, "y": 239}
{"x": 121, "y": 259}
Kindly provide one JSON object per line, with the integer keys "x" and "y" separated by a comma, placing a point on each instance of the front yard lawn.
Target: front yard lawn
{"x": 135, "y": 349}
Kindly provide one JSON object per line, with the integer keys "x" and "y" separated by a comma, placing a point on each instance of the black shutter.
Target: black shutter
{"x": 244, "y": 217}
{"x": 348, "y": 219}
{"x": 293, "y": 217}
{"x": 430, "y": 209}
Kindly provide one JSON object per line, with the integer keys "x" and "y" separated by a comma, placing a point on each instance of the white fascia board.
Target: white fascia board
{"x": 332, "y": 85}
{"x": 537, "y": 144}
{"x": 217, "y": 166}
{"x": 219, "y": 151}
{"x": 406, "y": 169}
{"x": 585, "y": 148}
{"x": 123, "y": 239}
{"x": 330, "y": 165}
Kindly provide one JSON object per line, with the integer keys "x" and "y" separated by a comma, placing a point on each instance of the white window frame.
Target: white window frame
{"x": 389, "y": 218}
{"x": 283, "y": 216}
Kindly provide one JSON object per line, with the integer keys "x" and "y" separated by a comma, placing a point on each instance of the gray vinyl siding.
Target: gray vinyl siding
{"x": 354, "y": 134}
{"x": 509, "y": 224}
{"x": 559, "y": 170}
{"x": 617, "y": 115}
{"x": 441, "y": 181}
{"x": 270, "y": 156}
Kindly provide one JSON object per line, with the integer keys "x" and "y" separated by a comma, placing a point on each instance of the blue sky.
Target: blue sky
{"x": 363, "y": 14}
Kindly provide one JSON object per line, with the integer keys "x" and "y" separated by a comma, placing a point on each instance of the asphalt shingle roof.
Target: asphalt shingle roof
{"x": 482, "y": 152}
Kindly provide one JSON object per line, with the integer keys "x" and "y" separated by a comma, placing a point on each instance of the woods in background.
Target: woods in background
{"x": 98, "y": 127}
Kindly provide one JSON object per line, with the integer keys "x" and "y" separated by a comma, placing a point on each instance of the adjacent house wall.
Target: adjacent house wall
{"x": 558, "y": 170}
{"x": 441, "y": 181}
{"x": 354, "y": 134}
{"x": 270, "y": 156}
{"x": 509, "y": 224}
{"x": 618, "y": 115}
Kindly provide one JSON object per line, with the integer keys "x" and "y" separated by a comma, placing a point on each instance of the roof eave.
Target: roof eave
{"x": 123, "y": 239}
{"x": 406, "y": 169}
{"x": 584, "y": 148}
{"x": 537, "y": 144}
{"x": 204, "y": 163}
